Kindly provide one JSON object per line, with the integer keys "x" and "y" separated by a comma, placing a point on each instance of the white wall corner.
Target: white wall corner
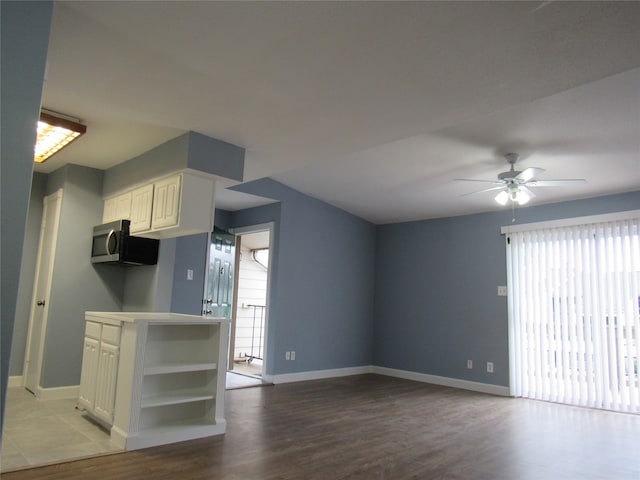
{"x": 390, "y": 372}
{"x": 58, "y": 393}
{"x": 318, "y": 374}
{"x": 15, "y": 381}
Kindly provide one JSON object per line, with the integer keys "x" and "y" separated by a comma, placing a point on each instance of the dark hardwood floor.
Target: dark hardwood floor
{"x": 374, "y": 427}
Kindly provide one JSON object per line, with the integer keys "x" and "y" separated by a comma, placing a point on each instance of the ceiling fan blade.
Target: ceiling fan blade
{"x": 484, "y": 190}
{"x": 555, "y": 183}
{"x": 529, "y": 173}
{"x": 494, "y": 182}
{"x": 527, "y": 191}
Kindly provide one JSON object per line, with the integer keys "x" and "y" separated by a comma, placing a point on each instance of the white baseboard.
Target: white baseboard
{"x": 58, "y": 393}
{"x": 444, "y": 381}
{"x": 318, "y": 374}
{"x": 15, "y": 381}
{"x": 390, "y": 372}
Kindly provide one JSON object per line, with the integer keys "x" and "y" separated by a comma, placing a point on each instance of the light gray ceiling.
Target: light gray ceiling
{"x": 374, "y": 107}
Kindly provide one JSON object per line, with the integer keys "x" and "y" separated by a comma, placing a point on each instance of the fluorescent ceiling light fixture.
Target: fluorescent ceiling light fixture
{"x": 55, "y": 131}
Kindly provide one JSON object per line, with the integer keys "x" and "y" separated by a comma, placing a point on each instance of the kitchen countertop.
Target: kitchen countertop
{"x": 151, "y": 317}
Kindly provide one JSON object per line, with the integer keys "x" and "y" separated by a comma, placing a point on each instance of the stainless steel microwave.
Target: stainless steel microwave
{"x": 112, "y": 244}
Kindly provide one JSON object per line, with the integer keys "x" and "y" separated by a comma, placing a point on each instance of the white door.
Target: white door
{"x": 42, "y": 288}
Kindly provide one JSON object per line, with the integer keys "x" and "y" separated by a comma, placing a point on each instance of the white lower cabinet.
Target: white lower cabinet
{"x": 170, "y": 378}
{"x": 99, "y": 370}
{"x": 106, "y": 386}
{"x": 89, "y": 373}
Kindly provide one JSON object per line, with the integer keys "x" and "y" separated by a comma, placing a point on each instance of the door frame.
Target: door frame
{"x": 54, "y": 199}
{"x": 261, "y": 227}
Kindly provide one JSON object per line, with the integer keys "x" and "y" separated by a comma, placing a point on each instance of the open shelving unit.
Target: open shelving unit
{"x": 170, "y": 387}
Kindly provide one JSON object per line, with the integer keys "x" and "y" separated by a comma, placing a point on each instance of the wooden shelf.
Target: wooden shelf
{"x": 163, "y": 368}
{"x": 176, "y": 397}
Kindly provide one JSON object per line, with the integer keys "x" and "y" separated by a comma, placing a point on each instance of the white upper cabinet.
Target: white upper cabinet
{"x": 141, "y": 203}
{"x": 173, "y": 206}
{"x": 166, "y": 202}
{"x": 117, "y": 208}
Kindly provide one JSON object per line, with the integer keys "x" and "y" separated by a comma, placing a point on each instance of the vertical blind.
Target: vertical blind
{"x": 574, "y": 314}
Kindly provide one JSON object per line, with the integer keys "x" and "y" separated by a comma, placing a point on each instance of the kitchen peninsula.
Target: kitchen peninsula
{"x": 154, "y": 378}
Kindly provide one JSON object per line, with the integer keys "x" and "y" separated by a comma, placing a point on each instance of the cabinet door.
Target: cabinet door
{"x": 141, "y": 202}
{"x": 107, "y": 376}
{"x": 166, "y": 202}
{"x": 117, "y": 208}
{"x": 123, "y": 206}
{"x": 109, "y": 211}
{"x": 89, "y": 373}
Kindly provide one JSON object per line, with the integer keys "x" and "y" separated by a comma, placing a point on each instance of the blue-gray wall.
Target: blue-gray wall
{"x": 436, "y": 303}
{"x": 322, "y": 280}
{"x": 148, "y": 288}
{"x": 190, "y": 150}
{"x": 24, "y": 40}
{"x": 187, "y": 295}
{"x": 77, "y": 285}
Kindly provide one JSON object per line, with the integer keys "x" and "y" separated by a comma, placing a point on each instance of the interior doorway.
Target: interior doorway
{"x": 237, "y": 288}
{"x": 248, "y": 328}
{"x": 40, "y": 300}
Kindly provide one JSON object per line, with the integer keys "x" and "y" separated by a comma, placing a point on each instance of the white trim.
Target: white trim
{"x": 318, "y": 374}
{"x": 445, "y": 381}
{"x": 119, "y": 437}
{"x": 15, "y": 381}
{"x": 58, "y": 393}
{"x": 258, "y": 227}
{"x": 569, "y": 222}
{"x": 389, "y": 372}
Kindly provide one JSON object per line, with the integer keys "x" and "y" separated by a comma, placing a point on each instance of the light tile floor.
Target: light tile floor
{"x": 239, "y": 380}
{"x": 38, "y": 432}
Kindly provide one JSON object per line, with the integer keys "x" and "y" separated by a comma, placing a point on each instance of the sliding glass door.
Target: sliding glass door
{"x": 574, "y": 314}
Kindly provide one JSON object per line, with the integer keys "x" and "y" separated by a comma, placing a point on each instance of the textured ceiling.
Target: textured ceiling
{"x": 374, "y": 107}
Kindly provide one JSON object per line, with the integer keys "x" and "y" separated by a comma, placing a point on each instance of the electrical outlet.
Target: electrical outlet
{"x": 502, "y": 291}
{"x": 469, "y": 364}
{"x": 293, "y": 354}
{"x": 490, "y": 367}
{"x": 287, "y": 355}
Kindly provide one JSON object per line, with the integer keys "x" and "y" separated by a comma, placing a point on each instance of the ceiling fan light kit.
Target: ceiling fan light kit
{"x": 514, "y": 194}
{"x": 513, "y": 184}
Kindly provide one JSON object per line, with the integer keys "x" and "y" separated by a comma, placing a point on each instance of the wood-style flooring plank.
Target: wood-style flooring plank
{"x": 374, "y": 427}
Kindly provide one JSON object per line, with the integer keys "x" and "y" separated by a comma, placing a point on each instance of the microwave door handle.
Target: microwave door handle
{"x": 106, "y": 247}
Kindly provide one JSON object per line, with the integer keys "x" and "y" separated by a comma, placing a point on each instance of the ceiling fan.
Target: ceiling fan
{"x": 514, "y": 184}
